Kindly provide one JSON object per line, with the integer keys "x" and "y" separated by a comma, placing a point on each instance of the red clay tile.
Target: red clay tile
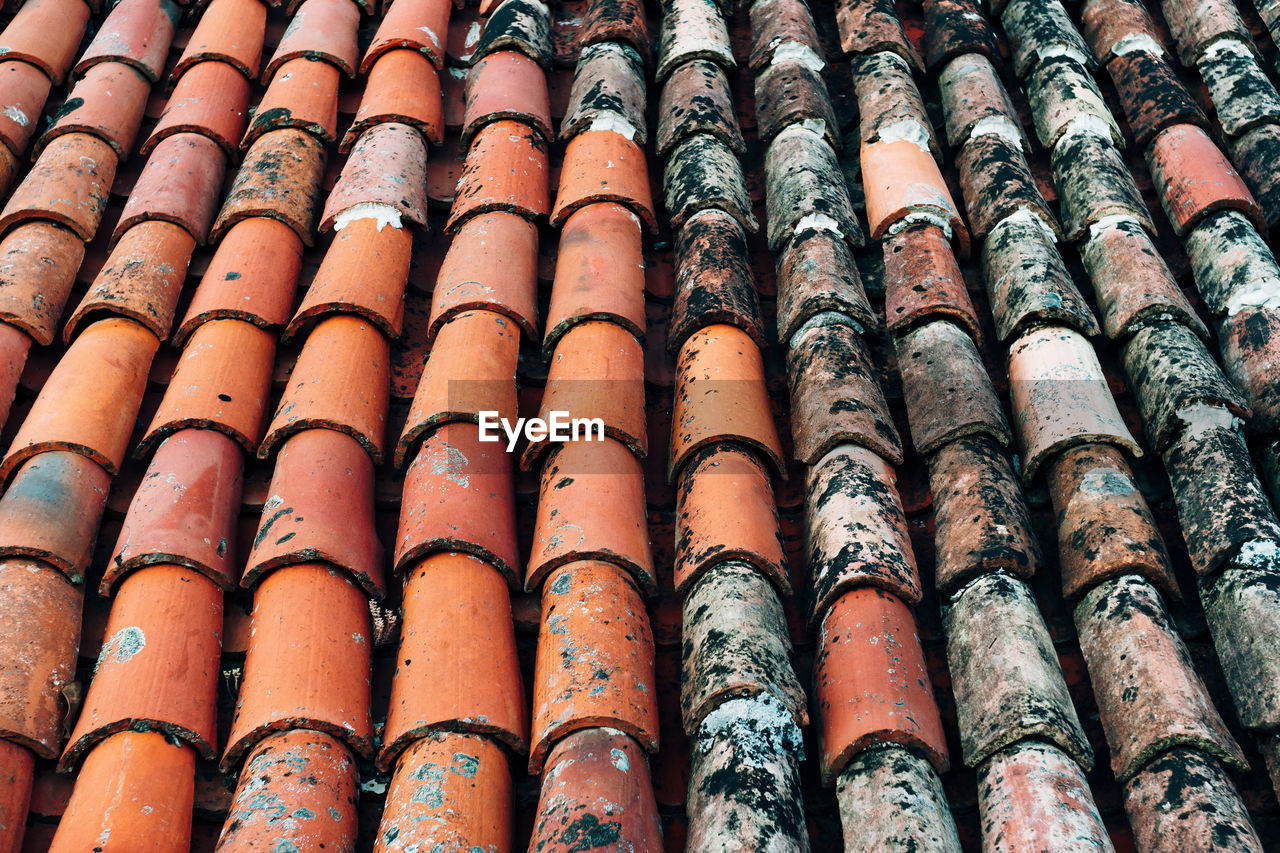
{"x": 506, "y": 86}
{"x": 137, "y": 33}
{"x": 323, "y": 30}
{"x": 181, "y": 183}
{"x": 1231, "y": 263}
{"x": 923, "y": 282}
{"x": 971, "y": 91}
{"x": 46, "y": 34}
{"x": 1249, "y": 342}
{"x": 299, "y": 788}
{"x": 1035, "y": 797}
{"x": 692, "y": 29}
{"x": 603, "y": 166}
{"x": 385, "y": 170}
{"x": 721, "y": 396}
{"x": 1027, "y": 281}
{"x": 725, "y": 511}
{"x": 835, "y": 398}
{"x": 1151, "y": 95}
{"x": 599, "y": 272}
{"x": 889, "y": 102}
{"x": 184, "y": 511}
{"x": 51, "y": 509}
{"x": 453, "y": 83}
{"x": 303, "y": 94}
{"x": 855, "y": 531}
{"x": 449, "y": 789}
{"x": 38, "y": 263}
{"x": 608, "y": 85}
{"x": 591, "y": 507}
{"x": 211, "y": 99}
{"x": 871, "y": 685}
{"x": 1195, "y": 179}
{"x": 954, "y": 28}
{"x": 251, "y": 277}
{"x": 805, "y": 185}
{"x": 420, "y": 25}
{"x": 1132, "y": 282}
{"x": 506, "y": 170}
{"x": 279, "y": 179}
{"x": 597, "y": 373}
{"x": 1242, "y": 94}
{"x": 458, "y": 497}
{"x": 872, "y": 26}
{"x": 229, "y": 31}
{"x": 735, "y": 644}
{"x": 519, "y": 25}
{"x": 141, "y": 281}
{"x": 90, "y": 401}
{"x": 363, "y": 273}
{"x": 15, "y": 345}
{"x": 816, "y": 274}
{"x": 793, "y": 93}
{"x": 875, "y": 815}
{"x": 1094, "y": 183}
{"x": 67, "y": 185}
{"x": 702, "y": 172}
{"x": 946, "y": 388}
{"x": 26, "y": 89}
{"x": 15, "y": 793}
{"x": 1060, "y": 397}
{"x": 982, "y": 519}
{"x": 39, "y": 633}
{"x": 1240, "y": 608}
{"x": 1106, "y": 23}
{"x": 403, "y": 87}
{"x": 1196, "y": 25}
{"x": 472, "y": 369}
{"x": 1149, "y": 696}
{"x": 595, "y": 660}
{"x": 623, "y": 21}
{"x": 341, "y": 382}
{"x": 901, "y": 178}
{"x": 135, "y": 791}
{"x": 320, "y": 510}
{"x": 457, "y": 668}
{"x": 597, "y": 785}
{"x": 491, "y": 266}
{"x": 158, "y": 669}
{"x": 308, "y": 662}
{"x": 696, "y": 99}
{"x": 107, "y": 103}
{"x": 1187, "y": 795}
{"x": 1170, "y": 371}
{"x": 778, "y": 23}
{"x": 221, "y": 383}
{"x": 1005, "y": 674}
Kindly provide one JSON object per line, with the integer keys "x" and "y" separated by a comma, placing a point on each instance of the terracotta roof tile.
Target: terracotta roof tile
{"x": 1238, "y": 605}
{"x": 51, "y": 509}
{"x": 621, "y": 21}
{"x": 505, "y": 171}
{"x": 68, "y": 184}
{"x": 692, "y": 29}
{"x": 420, "y": 25}
{"x": 872, "y": 26}
{"x": 788, "y": 93}
{"x": 1203, "y": 805}
{"x": 506, "y": 86}
{"x": 780, "y": 24}
{"x": 817, "y": 274}
{"x": 136, "y": 33}
{"x": 702, "y": 172}
{"x": 714, "y": 283}
{"x": 603, "y": 166}
{"x": 229, "y": 31}
{"x": 806, "y": 189}
{"x": 46, "y": 33}
{"x": 877, "y": 812}
{"x": 323, "y": 30}
{"x": 904, "y": 180}
{"x": 1033, "y": 796}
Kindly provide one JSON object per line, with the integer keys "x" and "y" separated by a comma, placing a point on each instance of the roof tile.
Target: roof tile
{"x": 506, "y": 86}
{"x": 279, "y": 179}
{"x": 954, "y": 28}
{"x": 1239, "y": 604}
{"x": 1197, "y": 24}
{"x": 457, "y": 668}
{"x": 595, "y": 664}
{"x": 184, "y": 511}
{"x": 1187, "y": 793}
{"x": 872, "y": 26}
{"x": 519, "y": 25}
{"x": 47, "y": 34}
{"x": 971, "y": 92}
{"x": 604, "y": 166}
{"x": 303, "y": 94}
{"x": 158, "y": 668}
{"x": 900, "y": 179}
{"x": 1250, "y": 342}
{"x": 107, "y": 103}
{"x": 251, "y": 277}
{"x": 211, "y": 99}
{"x": 696, "y": 99}
{"x": 307, "y": 668}
{"x": 137, "y": 33}
{"x": 890, "y": 798}
{"x": 1039, "y": 29}
{"x": 419, "y": 25}
{"x": 692, "y": 29}
{"x": 702, "y": 172}
{"x": 322, "y": 30}
{"x": 26, "y": 89}
{"x": 51, "y": 509}
{"x": 505, "y": 171}
{"x": 386, "y": 168}
{"x": 1253, "y": 153}
{"x": 779, "y": 23}
{"x": 923, "y": 282}
{"x": 591, "y": 507}
{"x": 1063, "y": 91}
{"x": 608, "y": 84}
{"x": 1106, "y": 23}
{"x": 817, "y": 274}
{"x": 341, "y": 382}
{"x": 68, "y": 184}
{"x": 39, "y": 633}
{"x": 1094, "y": 183}
{"x": 870, "y": 682}
{"x": 1027, "y": 282}
{"x": 320, "y": 510}
{"x": 805, "y": 185}
{"x": 1152, "y": 96}
{"x": 835, "y": 397}
{"x": 470, "y": 803}
{"x": 621, "y": 21}
{"x": 181, "y": 183}
{"x": 888, "y": 100}
{"x": 1007, "y": 681}
{"x": 789, "y": 93}
{"x": 982, "y": 520}
{"x": 38, "y": 263}
{"x": 229, "y": 31}
{"x": 714, "y": 282}
{"x": 997, "y": 183}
